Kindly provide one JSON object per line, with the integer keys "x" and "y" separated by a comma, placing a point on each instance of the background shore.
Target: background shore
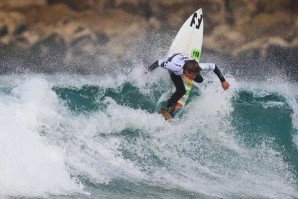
{"x": 91, "y": 36}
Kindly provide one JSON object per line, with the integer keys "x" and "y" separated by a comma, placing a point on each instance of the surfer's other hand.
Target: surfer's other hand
{"x": 225, "y": 85}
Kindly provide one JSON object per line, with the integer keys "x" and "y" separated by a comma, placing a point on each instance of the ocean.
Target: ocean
{"x": 100, "y": 137}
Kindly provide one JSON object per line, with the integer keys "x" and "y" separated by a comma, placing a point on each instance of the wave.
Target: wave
{"x": 61, "y": 133}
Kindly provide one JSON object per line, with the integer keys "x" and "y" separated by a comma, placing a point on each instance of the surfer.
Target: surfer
{"x": 179, "y": 65}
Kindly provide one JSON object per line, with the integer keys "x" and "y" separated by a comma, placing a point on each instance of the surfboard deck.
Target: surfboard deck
{"x": 189, "y": 40}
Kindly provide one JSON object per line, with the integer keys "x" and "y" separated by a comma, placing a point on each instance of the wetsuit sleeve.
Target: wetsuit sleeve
{"x": 212, "y": 66}
{"x": 169, "y": 65}
{"x": 153, "y": 66}
{"x": 164, "y": 64}
{"x": 219, "y": 74}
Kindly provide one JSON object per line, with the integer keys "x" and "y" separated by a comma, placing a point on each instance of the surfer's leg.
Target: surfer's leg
{"x": 180, "y": 90}
{"x": 198, "y": 79}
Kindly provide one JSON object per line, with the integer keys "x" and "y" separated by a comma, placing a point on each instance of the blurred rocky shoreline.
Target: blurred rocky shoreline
{"x": 91, "y": 36}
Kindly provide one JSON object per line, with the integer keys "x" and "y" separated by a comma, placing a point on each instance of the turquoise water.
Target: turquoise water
{"x": 71, "y": 136}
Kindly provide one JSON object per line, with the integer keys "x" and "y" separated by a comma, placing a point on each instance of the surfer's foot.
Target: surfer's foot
{"x": 168, "y": 110}
{"x": 165, "y": 114}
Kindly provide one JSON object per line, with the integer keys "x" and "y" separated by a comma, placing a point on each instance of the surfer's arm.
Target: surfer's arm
{"x": 170, "y": 66}
{"x": 225, "y": 85}
{"x": 219, "y": 74}
{"x": 153, "y": 66}
{"x": 156, "y": 64}
{"x": 214, "y": 68}
{"x": 211, "y": 66}
{"x": 165, "y": 64}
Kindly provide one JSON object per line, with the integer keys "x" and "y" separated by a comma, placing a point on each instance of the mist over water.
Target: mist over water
{"x": 101, "y": 136}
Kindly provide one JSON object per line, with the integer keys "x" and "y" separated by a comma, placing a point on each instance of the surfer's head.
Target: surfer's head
{"x": 191, "y": 69}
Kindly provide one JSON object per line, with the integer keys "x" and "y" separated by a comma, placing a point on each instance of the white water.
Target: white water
{"x": 42, "y": 144}
{"x": 30, "y": 166}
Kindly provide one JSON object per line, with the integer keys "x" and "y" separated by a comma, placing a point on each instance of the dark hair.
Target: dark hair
{"x": 192, "y": 66}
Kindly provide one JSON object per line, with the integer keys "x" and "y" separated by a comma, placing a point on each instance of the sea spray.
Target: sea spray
{"x": 30, "y": 167}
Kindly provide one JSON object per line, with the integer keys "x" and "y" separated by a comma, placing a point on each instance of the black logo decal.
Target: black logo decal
{"x": 196, "y": 20}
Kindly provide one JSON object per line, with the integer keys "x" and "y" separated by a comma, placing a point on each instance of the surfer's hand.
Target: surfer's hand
{"x": 225, "y": 85}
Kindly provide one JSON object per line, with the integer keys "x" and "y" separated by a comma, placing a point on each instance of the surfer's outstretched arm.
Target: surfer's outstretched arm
{"x": 167, "y": 65}
{"x": 219, "y": 74}
{"x": 153, "y": 66}
{"x": 211, "y": 66}
{"x": 225, "y": 85}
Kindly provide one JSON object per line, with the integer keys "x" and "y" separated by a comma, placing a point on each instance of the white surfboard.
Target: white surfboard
{"x": 188, "y": 40}
{"x": 190, "y": 37}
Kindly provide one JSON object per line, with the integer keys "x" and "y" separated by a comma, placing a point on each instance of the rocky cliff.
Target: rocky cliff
{"x": 88, "y": 36}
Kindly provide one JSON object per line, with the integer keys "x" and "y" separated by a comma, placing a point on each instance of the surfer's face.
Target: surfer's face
{"x": 190, "y": 75}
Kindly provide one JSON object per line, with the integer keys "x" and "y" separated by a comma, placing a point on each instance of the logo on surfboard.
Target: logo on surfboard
{"x": 196, "y": 54}
{"x": 196, "y": 20}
